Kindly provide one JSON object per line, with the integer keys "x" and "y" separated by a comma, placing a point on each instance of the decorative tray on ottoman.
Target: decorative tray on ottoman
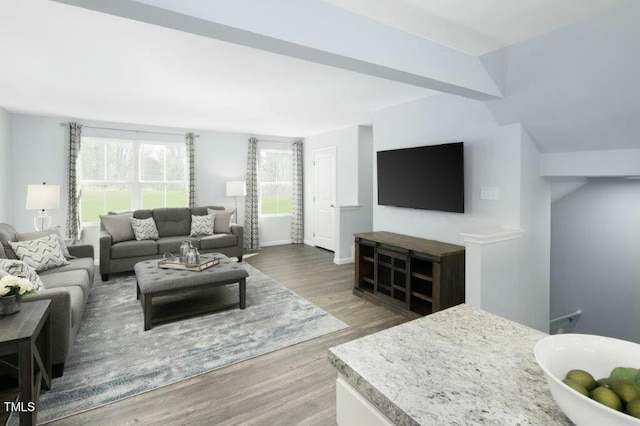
{"x": 173, "y": 262}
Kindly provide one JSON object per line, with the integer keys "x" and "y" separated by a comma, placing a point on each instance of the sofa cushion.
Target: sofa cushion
{"x": 8, "y": 233}
{"x": 133, "y": 249}
{"x": 78, "y": 278}
{"x": 77, "y": 264}
{"x": 172, "y": 221}
{"x": 202, "y": 211}
{"x": 118, "y": 226}
{"x": 77, "y": 303}
{"x": 218, "y": 241}
{"x": 41, "y": 254}
{"x": 144, "y": 229}
{"x": 172, "y": 244}
{"x": 18, "y": 268}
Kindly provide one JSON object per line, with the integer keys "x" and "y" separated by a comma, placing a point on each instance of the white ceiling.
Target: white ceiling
{"x": 477, "y": 26}
{"x": 66, "y": 61}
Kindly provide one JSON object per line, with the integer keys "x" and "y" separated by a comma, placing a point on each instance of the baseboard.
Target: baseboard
{"x": 309, "y": 243}
{"x": 274, "y": 243}
{"x": 343, "y": 261}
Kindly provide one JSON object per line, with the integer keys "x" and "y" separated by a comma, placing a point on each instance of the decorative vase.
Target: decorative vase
{"x": 10, "y": 304}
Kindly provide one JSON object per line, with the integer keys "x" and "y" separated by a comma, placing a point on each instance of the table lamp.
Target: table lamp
{"x": 43, "y": 197}
{"x": 235, "y": 189}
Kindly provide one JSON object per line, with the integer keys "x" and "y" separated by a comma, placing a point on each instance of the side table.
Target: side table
{"x": 28, "y": 334}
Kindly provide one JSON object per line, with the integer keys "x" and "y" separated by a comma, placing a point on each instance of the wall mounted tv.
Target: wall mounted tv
{"x": 426, "y": 177}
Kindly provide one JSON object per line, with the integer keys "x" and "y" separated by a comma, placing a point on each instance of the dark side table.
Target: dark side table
{"x": 27, "y": 334}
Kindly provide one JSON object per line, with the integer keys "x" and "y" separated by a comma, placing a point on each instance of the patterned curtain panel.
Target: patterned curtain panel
{"x": 189, "y": 138}
{"x": 297, "y": 216}
{"x": 251, "y": 241}
{"x": 73, "y": 204}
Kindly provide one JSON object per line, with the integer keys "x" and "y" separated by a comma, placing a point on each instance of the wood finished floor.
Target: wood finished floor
{"x": 295, "y": 385}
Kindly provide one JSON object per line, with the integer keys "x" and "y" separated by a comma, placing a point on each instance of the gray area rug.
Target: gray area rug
{"x": 113, "y": 358}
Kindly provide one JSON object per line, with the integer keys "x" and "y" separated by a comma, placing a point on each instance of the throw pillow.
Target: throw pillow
{"x": 201, "y": 225}
{"x": 144, "y": 229}
{"x": 20, "y": 269}
{"x": 40, "y": 254}
{"x": 118, "y": 226}
{"x": 28, "y": 236}
{"x": 223, "y": 218}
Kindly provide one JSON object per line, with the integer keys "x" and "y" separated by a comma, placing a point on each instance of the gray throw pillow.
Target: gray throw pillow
{"x": 118, "y": 226}
{"x": 222, "y": 223}
{"x": 144, "y": 229}
{"x": 41, "y": 254}
{"x": 28, "y": 236}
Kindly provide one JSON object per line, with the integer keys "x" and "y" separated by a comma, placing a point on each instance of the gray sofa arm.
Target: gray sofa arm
{"x": 105, "y": 254}
{"x": 238, "y": 230}
{"x": 81, "y": 250}
{"x": 60, "y": 315}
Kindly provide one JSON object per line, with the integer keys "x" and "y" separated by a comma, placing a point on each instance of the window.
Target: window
{"x": 274, "y": 175}
{"x": 119, "y": 175}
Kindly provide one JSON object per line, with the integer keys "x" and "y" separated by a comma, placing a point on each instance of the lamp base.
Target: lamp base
{"x": 42, "y": 221}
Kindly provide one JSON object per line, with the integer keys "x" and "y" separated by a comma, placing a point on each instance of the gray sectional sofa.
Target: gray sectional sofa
{"x": 174, "y": 227}
{"x": 67, "y": 287}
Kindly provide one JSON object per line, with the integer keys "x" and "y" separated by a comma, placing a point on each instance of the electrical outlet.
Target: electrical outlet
{"x": 490, "y": 193}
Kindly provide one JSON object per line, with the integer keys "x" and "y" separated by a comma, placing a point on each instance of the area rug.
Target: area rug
{"x": 113, "y": 358}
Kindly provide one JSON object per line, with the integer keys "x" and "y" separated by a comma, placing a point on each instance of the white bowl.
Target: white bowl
{"x": 598, "y": 355}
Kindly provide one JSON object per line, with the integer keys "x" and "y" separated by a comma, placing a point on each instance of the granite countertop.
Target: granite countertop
{"x": 458, "y": 366}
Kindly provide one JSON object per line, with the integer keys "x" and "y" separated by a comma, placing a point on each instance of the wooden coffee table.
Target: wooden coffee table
{"x": 167, "y": 294}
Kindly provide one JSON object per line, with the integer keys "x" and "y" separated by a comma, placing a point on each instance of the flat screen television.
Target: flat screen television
{"x": 426, "y": 177}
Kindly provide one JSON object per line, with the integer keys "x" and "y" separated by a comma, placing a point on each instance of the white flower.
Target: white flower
{"x": 10, "y": 282}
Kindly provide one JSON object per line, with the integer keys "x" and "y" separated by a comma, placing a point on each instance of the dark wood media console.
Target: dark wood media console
{"x": 410, "y": 275}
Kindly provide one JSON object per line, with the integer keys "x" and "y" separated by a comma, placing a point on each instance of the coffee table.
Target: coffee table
{"x": 167, "y": 294}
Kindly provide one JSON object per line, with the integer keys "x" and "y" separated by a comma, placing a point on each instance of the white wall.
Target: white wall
{"x": 346, "y": 141}
{"x": 491, "y": 156}
{"x": 594, "y": 258}
{"x": 39, "y": 149}
{"x": 6, "y": 184}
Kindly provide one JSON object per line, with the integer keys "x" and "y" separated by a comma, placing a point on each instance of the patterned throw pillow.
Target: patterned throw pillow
{"x": 201, "y": 225}
{"x": 144, "y": 229}
{"x": 41, "y": 254}
{"x": 18, "y": 268}
{"x": 39, "y": 234}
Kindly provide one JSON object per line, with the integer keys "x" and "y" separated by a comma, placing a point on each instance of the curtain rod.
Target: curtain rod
{"x": 133, "y": 131}
{"x": 269, "y": 140}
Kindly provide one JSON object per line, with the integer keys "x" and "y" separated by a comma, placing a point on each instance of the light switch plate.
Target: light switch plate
{"x": 491, "y": 193}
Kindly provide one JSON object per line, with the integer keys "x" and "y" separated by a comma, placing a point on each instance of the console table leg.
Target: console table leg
{"x": 243, "y": 292}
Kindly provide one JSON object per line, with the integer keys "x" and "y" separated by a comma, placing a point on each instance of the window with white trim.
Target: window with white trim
{"x": 275, "y": 177}
{"x": 121, "y": 175}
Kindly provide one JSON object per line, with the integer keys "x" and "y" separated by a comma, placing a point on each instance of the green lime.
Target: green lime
{"x": 627, "y": 391}
{"x": 576, "y": 386}
{"x": 603, "y": 382}
{"x": 606, "y": 397}
{"x": 622, "y": 374}
{"x": 633, "y": 408}
{"x": 582, "y": 377}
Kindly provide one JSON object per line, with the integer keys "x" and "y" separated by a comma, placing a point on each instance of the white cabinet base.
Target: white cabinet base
{"x": 353, "y": 409}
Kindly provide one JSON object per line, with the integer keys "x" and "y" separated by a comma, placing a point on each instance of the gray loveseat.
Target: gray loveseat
{"x": 174, "y": 227}
{"x": 67, "y": 287}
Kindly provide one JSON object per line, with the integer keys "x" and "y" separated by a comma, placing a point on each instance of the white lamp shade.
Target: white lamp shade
{"x": 236, "y": 188}
{"x": 43, "y": 197}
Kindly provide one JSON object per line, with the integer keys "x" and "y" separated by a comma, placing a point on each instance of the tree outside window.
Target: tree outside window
{"x": 275, "y": 177}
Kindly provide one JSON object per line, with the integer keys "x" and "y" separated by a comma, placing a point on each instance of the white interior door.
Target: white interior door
{"x": 324, "y": 196}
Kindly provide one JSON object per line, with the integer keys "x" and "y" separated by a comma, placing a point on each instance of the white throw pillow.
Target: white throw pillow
{"x": 41, "y": 254}
{"x": 201, "y": 225}
{"x": 144, "y": 229}
{"x": 18, "y": 268}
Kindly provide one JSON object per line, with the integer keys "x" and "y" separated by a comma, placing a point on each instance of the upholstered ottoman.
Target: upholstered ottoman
{"x": 178, "y": 293}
